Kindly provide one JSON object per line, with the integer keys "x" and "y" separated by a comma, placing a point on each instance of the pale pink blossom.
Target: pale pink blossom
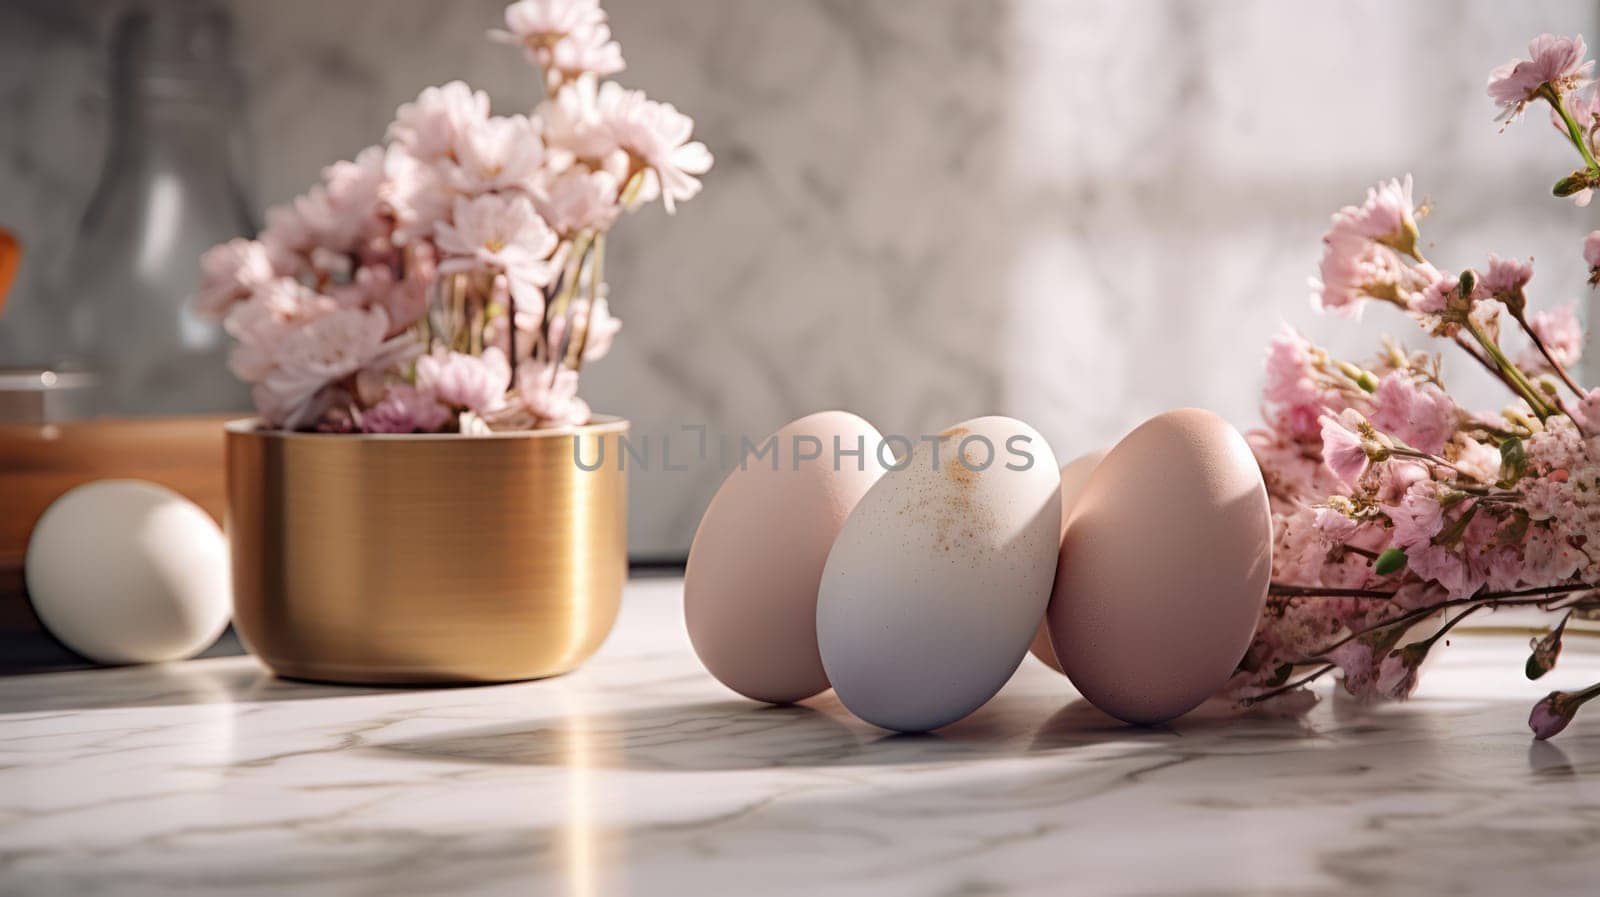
{"x": 566, "y": 38}
{"x": 313, "y": 355}
{"x": 656, "y": 136}
{"x": 229, "y": 272}
{"x": 1505, "y": 279}
{"x": 1388, "y": 216}
{"x": 418, "y": 194}
{"x": 430, "y": 126}
{"x": 405, "y": 409}
{"x": 1440, "y": 564}
{"x": 1418, "y": 517}
{"x": 1343, "y": 447}
{"x": 1550, "y": 557}
{"x": 1591, "y": 251}
{"x": 1421, "y": 415}
{"x": 550, "y": 393}
{"x": 576, "y": 132}
{"x": 602, "y": 327}
{"x": 579, "y": 200}
{"x": 1588, "y": 411}
{"x": 475, "y": 383}
{"x": 500, "y": 233}
{"x": 499, "y": 153}
{"x": 1552, "y": 60}
{"x": 346, "y": 209}
{"x": 1561, "y": 333}
{"x": 1352, "y": 271}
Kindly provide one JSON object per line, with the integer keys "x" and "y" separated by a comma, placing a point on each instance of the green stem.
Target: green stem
{"x": 1514, "y": 375}
{"x": 1573, "y": 131}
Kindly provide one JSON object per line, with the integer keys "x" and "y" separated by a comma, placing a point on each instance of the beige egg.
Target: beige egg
{"x": 750, "y": 589}
{"x": 1164, "y": 568}
{"x": 1074, "y": 476}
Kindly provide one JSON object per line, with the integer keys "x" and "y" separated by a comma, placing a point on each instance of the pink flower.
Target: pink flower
{"x": 417, "y": 193}
{"x": 1422, "y": 416}
{"x": 566, "y": 38}
{"x": 500, "y": 233}
{"x": 1388, "y": 216}
{"x": 579, "y": 200}
{"x": 1556, "y": 61}
{"x": 405, "y": 409}
{"x": 430, "y": 126}
{"x": 1561, "y": 333}
{"x": 1449, "y": 569}
{"x": 1505, "y": 278}
{"x": 316, "y": 353}
{"x": 576, "y": 132}
{"x": 655, "y": 135}
{"x": 230, "y": 272}
{"x": 475, "y": 383}
{"x": 1343, "y": 448}
{"x": 498, "y": 153}
{"x": 550, "y": 393}
{"x": 1335, "y": 526}
{"x": 1291, "y": 369}
{"x": 345, "y": 210}
{"x": 1353, "y": 270}
{"x": 1418, "y": 517}
{"x": 1588, "y": 411}
{"x": 1550, "y": 559}
{"x": 1591, "y": 250}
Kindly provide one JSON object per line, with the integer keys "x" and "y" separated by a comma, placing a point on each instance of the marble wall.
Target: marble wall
{"x": 1077, "y": 213}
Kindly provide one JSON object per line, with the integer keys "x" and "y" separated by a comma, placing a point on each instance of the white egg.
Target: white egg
{"x": 125, "y": 571}
{"x": 936, "y": 582}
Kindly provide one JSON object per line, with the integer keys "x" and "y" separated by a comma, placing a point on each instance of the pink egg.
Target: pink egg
{"x": 1164, "y": 568}
{"x": 750, "y": 590}
{"x": 1074, "y": 476}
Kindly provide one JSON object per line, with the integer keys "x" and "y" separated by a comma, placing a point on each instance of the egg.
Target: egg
{"x": 125, "y": 571}
{"x": 1164, "y": 568}
{"x": 936, "y": 582}
{"x": 750, "y": 588}
{"x": 1074, "y": 476}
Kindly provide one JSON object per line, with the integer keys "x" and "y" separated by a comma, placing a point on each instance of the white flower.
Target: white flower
{"x": 500, "y": 233}
{"x": 655, "y": 135}
{"x": 229, "y": 272}
{"x": 566, "y": 38}
{"x": 497, "y": 153}
{"x": 578, "y": 200}
{"x": 428, "y": 127}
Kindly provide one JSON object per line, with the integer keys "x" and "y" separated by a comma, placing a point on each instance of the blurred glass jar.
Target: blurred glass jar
{"x": 167, "y": 192}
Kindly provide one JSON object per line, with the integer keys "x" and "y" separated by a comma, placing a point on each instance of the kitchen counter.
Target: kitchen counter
{"x": 640, "y": 774}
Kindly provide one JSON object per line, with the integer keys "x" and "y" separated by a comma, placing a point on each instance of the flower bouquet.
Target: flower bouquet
{"x": 1397, "y": 512}
{"x": 408, "y": 507}
{"x": 453, "y": 278}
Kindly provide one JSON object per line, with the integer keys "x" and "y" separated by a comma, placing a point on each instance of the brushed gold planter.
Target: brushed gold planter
{"x": 426, "y": 558}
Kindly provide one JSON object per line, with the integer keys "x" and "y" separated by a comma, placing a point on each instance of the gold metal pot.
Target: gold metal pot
{"x": 426, "y": 558}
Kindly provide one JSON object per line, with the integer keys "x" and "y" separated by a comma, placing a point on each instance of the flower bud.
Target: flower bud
{"x": 1551, "y": 715}
{"x": 1577, "y": 182}
{"x": 1545, "y": 650}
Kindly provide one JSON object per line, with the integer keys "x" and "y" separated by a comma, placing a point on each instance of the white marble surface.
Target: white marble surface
{"x": 640, "y": 774}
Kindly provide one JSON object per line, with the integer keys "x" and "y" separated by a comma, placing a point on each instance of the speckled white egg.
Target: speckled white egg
{"x": 1074, "y": 476}
{"x": 125, "y": 571}
{"x": 935, "y": 585}
{"x": 750, "y": 589}
{"x": 1164, "y": 568}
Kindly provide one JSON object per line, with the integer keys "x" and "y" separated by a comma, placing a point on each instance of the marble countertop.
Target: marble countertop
{"x": 640, "y": 774}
